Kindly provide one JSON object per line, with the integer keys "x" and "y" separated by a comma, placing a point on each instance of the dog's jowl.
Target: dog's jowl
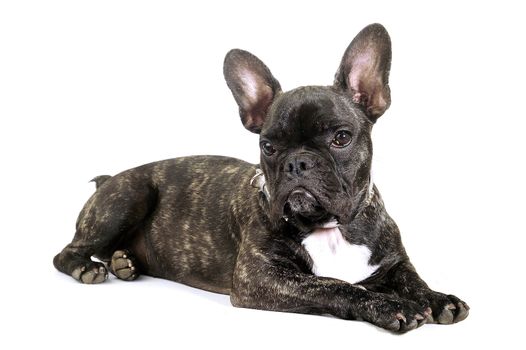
{"x": 304, "y": 231}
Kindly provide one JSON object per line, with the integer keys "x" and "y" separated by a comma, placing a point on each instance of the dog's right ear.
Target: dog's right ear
{"x": 253, "y": 86}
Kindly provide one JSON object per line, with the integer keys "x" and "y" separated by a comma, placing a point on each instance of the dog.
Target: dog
{"x": 304, "y": 231}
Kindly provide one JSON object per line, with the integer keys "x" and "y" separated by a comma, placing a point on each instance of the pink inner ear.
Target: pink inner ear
{"x": 256, "y": 91}
{"x": 256, "y": 99}
{"x": 364, "y": 73}
{"x": 365, "y": 81}
{"x": 250, "y": 83}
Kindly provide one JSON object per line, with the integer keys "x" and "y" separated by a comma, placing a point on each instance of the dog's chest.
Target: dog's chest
{"x": 335, "y": 257}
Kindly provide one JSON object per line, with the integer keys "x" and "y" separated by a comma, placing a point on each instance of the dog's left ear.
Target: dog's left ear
{"x": 364, "y": 70}
{"x": 253, "y": 86}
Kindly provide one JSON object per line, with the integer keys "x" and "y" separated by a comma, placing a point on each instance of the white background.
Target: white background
{"x": 96, "y": 87}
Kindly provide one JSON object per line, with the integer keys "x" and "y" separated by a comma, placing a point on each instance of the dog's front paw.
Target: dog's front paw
{"x": 397, "y": 315}
{"x": 447, "y": 309}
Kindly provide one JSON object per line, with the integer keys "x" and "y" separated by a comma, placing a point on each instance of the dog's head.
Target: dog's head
{"x": 316, "y": 140}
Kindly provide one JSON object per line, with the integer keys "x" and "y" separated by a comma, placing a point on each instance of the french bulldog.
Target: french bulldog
{"x": 304, "y": 231}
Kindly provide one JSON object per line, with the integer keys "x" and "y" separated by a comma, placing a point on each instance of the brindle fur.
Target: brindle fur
{"x": 198, "y": 221}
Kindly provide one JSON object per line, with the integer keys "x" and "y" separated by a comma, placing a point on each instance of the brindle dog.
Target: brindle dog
{"x": 304, "y": 231}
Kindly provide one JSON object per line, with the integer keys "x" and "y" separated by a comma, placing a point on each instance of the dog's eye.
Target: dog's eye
{"x": 267, "y": 148}
{"x": 341, "y": 139}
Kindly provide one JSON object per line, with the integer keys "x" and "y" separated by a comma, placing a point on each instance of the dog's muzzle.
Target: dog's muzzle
{"x": 301, "y": 201}
{"x": 304, "y": 208}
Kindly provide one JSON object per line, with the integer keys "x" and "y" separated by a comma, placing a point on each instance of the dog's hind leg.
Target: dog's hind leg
{"x": 114, "y": 211}
{"x": 76, "y": 262}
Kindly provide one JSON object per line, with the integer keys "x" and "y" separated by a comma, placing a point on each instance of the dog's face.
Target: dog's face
{"x": 315, "y": 141}
{"x": 316, "y": 156}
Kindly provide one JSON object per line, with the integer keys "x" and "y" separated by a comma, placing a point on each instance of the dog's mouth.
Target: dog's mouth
{"x": 306, "y": 212}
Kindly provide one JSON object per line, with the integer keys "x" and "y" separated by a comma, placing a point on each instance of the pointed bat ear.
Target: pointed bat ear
{"x": 364, "y": 70}
{"x": 253, "y": 86}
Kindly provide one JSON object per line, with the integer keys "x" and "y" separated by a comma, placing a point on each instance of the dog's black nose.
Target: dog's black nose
{"x": 298, "y": 164}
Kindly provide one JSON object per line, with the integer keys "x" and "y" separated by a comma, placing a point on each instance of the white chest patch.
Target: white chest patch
{"x": 335, "y": 257}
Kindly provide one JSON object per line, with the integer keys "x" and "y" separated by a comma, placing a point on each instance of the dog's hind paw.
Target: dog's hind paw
{"x": 91, "y": 273}
{"x": 123, "y": 265}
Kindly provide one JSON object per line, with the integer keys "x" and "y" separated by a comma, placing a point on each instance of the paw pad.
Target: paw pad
{"x": 92, "y": 273}
{"x": 123, "y": 266}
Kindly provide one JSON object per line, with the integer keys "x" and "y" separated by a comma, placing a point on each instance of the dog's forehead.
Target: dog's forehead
{"x": 311, "y": 109}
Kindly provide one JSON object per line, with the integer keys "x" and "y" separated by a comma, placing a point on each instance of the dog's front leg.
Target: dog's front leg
{"x": 404, "y": 281}
{"x": 270, "y": 279}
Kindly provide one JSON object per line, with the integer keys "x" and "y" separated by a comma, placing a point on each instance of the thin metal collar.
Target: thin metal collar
{"x": 258, "y": 181}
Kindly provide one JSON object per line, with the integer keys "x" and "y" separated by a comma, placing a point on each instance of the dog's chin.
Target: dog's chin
{"x": 303, "y": 210}
{"x": 306, "y": 223}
